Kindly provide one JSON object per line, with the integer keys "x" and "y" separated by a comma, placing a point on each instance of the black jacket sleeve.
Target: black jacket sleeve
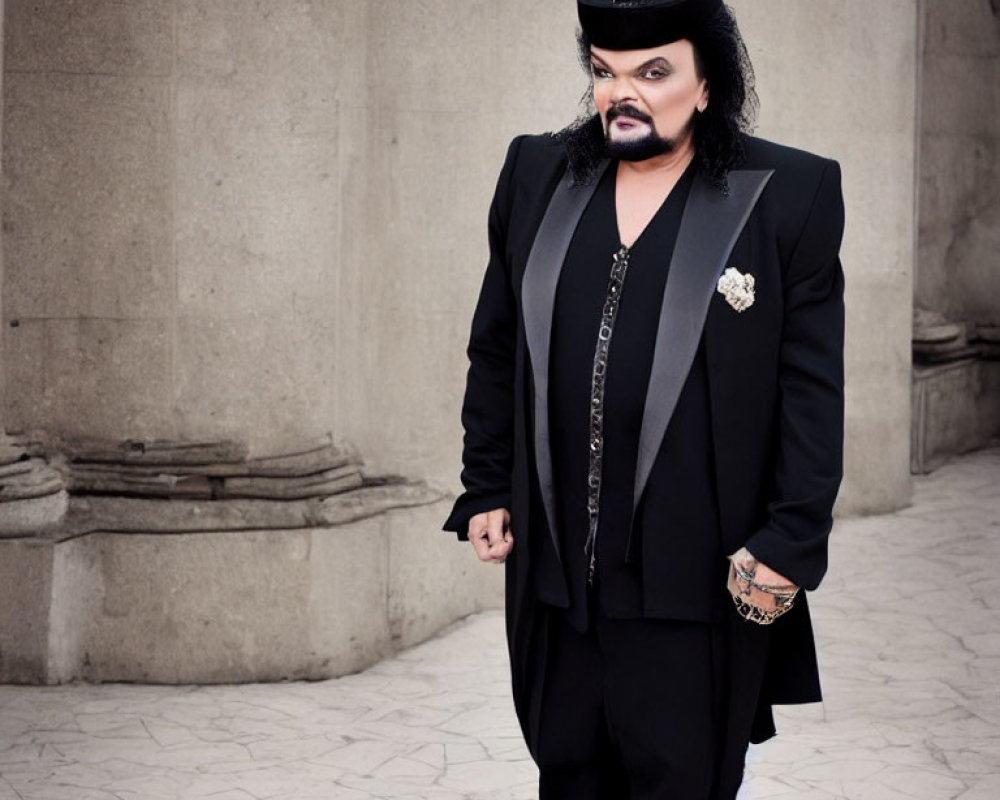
{"x": 809, "y": 464}
{"x": 488, "y": 409}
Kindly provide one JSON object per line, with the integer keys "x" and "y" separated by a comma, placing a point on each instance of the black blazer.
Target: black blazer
{"x": 775, "y": 382}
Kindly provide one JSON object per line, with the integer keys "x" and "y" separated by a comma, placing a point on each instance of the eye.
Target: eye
{"x": 654, "y": 74}
{"x": 599, "y": 72}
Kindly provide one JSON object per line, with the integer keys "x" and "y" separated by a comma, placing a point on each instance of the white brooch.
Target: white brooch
{"x": 737, "y": 288}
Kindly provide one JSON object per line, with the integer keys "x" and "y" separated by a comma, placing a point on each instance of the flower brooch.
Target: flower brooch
{"x": 737, "y": 288}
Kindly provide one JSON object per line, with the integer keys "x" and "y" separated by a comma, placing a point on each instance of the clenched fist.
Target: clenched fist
{"x": 490, "y": 534}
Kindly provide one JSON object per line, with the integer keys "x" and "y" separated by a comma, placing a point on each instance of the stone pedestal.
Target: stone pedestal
{"x": 228, "y": 606}
{"x": 956, "y": 408}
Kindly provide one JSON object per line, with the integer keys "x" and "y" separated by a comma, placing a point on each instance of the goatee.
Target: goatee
{"x": 645, "y": 147}
{"x": 649, "y": 146}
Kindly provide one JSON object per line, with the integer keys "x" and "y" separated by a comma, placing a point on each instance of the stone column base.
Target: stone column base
{"x": 233, "y": 605}
{"x": 956, "y": 408}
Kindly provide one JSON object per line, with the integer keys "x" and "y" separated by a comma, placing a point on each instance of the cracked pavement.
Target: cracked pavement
{"x": 908, "y": 626}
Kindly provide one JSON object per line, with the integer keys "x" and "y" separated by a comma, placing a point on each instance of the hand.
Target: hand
{"x": 490, "y": 535}
{"x": 761, "y": 594}
{"x": 766, "y": 576}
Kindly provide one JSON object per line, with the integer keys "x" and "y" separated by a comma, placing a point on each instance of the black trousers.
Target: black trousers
{"x": 632, "y": 710}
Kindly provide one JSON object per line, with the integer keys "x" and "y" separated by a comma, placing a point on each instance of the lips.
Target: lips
{"x": 627, "y": 127}
{"x": 625, "y": 120}
{"x": 626, "y": 124}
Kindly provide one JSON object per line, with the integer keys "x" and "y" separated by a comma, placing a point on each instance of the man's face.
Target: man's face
{"x": 647, "y": 98}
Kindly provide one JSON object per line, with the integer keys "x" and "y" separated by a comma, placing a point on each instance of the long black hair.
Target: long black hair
{"x": 721, "y": 58}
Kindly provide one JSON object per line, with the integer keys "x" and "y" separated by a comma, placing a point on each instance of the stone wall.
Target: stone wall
{"x": 956, "y": 408}
{"x": 172, "y": 204}
{"x": 957, "y": 326}
{"x": 264, "y": 220}
{"x": 432, "y": 102}
{"x": 959, "y": 253}
{"x": 231, "y": 606}
{"x": 431, "y": 248}
{"x": 838, "y": 78}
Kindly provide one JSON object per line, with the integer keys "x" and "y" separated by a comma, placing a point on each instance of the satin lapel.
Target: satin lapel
{"x": 538, "y": 294}
{"x": 709, "y": 228}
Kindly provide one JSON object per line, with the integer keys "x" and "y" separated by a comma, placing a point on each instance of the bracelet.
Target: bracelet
{"x": 759, "y": 615}
{"x": 742, "y": 586}
{"x": 788, "y": 590}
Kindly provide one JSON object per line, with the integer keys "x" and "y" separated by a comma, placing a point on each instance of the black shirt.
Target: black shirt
{"x": 580, "y": 298}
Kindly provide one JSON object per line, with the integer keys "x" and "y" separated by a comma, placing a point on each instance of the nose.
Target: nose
{"x": 622, "y": 90}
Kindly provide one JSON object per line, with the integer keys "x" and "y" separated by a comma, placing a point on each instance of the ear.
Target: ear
{"x": 703, "y": 100}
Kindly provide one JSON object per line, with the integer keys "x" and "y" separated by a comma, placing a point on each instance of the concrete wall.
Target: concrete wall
{"x": 442, "y": 89}
{"x": 231, "y": 606}
{"x": 2, "y": 87}
{"x": 172, "y": 206}
{"x": 259, "y": 220}
{"x": 955, "y": 410}
{"x": 426, "y": 230}
{"x": 838, "y": 77}
{"x": 25, "y": 589}
{"x": 265, "y": 220}
{"x": 185, "y": 184}
{"x": 959, "y": 255}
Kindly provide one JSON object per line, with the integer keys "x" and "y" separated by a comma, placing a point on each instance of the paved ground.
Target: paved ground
{"x": 909, "y": 629}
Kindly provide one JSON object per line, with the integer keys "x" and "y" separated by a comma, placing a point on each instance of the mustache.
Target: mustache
{"x": 623, "y": 110}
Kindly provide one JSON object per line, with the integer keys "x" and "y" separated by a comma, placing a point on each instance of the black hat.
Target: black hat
{"x": 637, "y": 25}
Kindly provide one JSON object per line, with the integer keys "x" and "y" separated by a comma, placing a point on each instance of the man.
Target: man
{"x": 655, "y": 384}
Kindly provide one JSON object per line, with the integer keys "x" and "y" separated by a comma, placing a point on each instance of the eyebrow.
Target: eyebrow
{"x": 658, "y": 61}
